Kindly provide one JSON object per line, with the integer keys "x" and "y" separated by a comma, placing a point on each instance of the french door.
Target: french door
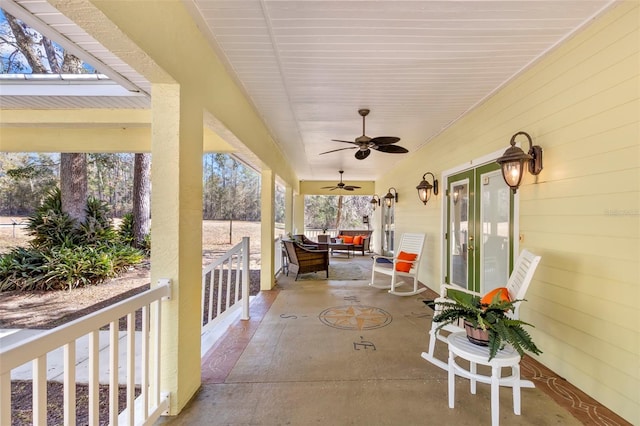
{"x": 480, "y": 229}
{"x": 388, "y": 229}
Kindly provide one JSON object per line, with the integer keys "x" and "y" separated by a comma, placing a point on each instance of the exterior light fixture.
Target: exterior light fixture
{"x": 389, "y": 198}
{"x": 375, "y": 201}
{"x": 513, "y": 160}
{"x": 425, "y": 188}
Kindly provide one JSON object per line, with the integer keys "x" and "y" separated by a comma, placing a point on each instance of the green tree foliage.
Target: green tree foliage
{"x": 24, "y": 180}
{"x": 231, "y": 189}
{"x": 320, "y": 211}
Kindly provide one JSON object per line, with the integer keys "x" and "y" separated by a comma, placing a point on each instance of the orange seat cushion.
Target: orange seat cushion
{"x": 347, "y": 239}
{"x": 405, "y": 266}
{"x": 357, "y": 240}
{"x": 500, "y": 294}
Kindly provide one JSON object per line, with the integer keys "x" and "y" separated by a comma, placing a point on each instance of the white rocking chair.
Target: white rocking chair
{"x": 517, "y": 285}
{"x": 410, "y": 244}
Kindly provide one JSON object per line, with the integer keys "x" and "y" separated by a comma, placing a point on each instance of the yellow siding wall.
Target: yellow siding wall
{"x": 581, "y": 103}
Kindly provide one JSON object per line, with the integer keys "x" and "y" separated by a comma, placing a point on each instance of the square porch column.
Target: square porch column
{"x": 176, "y": 235}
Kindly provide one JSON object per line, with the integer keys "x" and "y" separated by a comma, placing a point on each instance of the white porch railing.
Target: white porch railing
{"x": 278, "y": 256}
{"x": 142, "y": 410}
{"x": 225, "y": 286}
{"x": 312, "y": 233}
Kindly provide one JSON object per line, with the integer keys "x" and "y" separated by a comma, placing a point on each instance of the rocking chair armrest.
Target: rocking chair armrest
{"x": 379, "y": 256}
{"x": 445, "y": 287}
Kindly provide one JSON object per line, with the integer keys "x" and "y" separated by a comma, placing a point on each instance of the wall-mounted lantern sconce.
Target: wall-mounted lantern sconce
{"x": 513, "y": 159}
{"x": 389, "y": 198}
{"x": 375, "y": 201}
{"x": 424, "y": 188}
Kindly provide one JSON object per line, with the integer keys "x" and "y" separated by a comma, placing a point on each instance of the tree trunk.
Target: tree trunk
{"x": 141, "y": 197}
{"x": 51, "y": 55}
{"x": 339, "y": 212}
{"x": 73, "y": 184}
{"x": 26, "y": 45}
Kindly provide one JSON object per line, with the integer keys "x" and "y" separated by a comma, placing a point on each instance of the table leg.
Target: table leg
{"x": 495, "y": 396}
{"x": 451, "y": 380}
{"x": 472, "y": 381}
{"x": 515, "y": 371}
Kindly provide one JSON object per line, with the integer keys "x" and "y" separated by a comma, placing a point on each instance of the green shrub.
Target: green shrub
{"x": 126, "y": 235}
{"x": 65, "y": 253}
{"x": 125, "y": 232}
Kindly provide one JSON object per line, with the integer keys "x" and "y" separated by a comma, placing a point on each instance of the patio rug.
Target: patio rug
{"x": 339, "y": 271}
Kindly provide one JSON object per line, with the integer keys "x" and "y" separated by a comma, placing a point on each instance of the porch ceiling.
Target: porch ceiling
{"x": 308, "y": 66}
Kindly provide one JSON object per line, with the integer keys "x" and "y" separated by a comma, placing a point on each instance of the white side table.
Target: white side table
{"x": 459, "y": 346}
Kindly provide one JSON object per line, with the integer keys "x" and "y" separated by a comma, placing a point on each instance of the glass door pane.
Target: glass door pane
{"x": 388, "y": 228}
{"x": 460, "y": 230}
{"x": 494, "y": 230}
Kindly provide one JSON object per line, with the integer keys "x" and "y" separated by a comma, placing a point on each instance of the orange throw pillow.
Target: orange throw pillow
{"x": 357, "y": 240}
{"x": 405, "y": 266}
{"x": 501, "y": 293}
{"x": 347, "y": 239}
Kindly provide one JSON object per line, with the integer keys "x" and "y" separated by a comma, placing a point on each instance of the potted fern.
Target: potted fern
{"x": 490, "y": 318}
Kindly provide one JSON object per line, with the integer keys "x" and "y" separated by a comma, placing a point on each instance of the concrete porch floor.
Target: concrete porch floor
{"x": 342, "y": 353}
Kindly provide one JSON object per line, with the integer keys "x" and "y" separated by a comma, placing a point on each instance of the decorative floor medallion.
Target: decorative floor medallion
{"x": 355, "y": 317}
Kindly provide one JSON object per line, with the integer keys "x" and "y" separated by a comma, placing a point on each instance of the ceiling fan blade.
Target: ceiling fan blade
{"x": 351, "y": 187}
{"x": 335, "y": 150}
{"x": 391, "y": 149}
{"x": 339, "y": 140}
{"x": 361, "y": 155}
{"x": 385, "y": 140}
{"x": 328, "y": 187}
{"x": 346, "y": 188}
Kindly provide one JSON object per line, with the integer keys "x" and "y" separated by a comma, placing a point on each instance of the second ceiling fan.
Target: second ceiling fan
{"x": 365, "y": 144}
{"x": 341, "y": 185}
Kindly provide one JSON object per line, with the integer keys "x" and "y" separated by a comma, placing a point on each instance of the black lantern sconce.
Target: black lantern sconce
{"x": 425, "y": 188}
{"x": 389, "y": 198}
{"x": 513, "y": 160}
{"x": 375, "y": 201}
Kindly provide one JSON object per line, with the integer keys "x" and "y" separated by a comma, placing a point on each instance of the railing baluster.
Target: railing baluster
{"x": 39, "y": 391}
{"x": 144, "y": 361}
{"x": 238, "y": 270}
{"x": 5, "y": 398}
{"x": 94, "y": 371}
{"x": 219, "y": 289}
{"x": 70, "y": 383}
{"x": 211, "y": 292}
{"x": 228, "y": 292}
{"x": 113, "y": 371}
{"x": 245, "y": 279}
{"x": 131, "y": 366}
{"x": 155, "y": 394}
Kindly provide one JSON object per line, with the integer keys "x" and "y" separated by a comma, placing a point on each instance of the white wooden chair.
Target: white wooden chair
{"x": 411, "y": 244}
{"x": 517, "y": 286}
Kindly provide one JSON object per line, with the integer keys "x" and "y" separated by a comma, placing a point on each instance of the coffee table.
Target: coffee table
{"x": 342, "y": 246}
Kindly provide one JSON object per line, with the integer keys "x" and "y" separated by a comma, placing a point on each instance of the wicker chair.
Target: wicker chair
{"x": 304, "y": 261}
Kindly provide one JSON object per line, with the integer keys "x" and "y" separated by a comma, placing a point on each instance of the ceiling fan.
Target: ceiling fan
{"x": 341, "y": 185}
{"x": 365, "y": 144}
